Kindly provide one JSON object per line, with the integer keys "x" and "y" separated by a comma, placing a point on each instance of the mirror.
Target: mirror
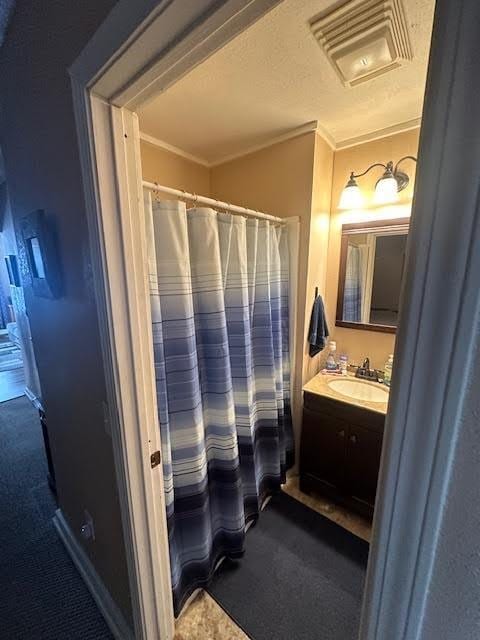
{"x": 372, "y": 261}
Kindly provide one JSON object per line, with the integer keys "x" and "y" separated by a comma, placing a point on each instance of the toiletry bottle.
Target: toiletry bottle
{"x": 343, "y": 364}
{"x": 331, "y": 364}
{"x": 388, "y": 370}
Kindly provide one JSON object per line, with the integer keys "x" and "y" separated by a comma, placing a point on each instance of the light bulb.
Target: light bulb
{"x": 386, "y": 191}
{"x": 351, "y": 198}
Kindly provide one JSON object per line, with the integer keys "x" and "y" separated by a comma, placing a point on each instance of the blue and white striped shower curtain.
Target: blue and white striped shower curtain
{"x": 219, "y": 296}
{"x": 352, "y": 294}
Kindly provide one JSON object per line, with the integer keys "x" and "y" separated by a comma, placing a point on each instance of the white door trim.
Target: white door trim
{"x": 131, "y": 400}
{"x": 114, "y": 69}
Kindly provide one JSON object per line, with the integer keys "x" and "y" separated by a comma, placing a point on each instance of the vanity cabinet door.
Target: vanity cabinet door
{"x": 364, "y": 448}
{"x": 323, "y": 447}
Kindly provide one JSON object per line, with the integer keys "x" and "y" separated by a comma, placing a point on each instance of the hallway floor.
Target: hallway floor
{"x": 12, "y": 384}
{"x": 43, "y": 596}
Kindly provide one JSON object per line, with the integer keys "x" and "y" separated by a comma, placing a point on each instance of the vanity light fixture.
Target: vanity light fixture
{"x": 387, "y": 187}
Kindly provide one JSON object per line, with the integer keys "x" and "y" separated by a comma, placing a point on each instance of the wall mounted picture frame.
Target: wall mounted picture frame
{"x": 42, "y": 256}
{"x": 13, "y": 272}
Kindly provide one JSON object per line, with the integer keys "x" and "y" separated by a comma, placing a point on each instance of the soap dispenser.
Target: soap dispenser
{"x": 331, "y": 364}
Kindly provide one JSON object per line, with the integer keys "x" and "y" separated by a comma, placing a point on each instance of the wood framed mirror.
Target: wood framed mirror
{"x": 372, "y": 260}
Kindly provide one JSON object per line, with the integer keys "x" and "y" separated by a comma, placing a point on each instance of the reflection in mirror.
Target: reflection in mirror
{"x": 371, "y": 271}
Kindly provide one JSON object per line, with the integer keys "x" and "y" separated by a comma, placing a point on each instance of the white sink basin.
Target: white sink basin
{"x": 359, "y": 390}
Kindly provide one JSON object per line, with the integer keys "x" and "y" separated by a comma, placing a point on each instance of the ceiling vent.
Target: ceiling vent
{"x": 364, "y": 38}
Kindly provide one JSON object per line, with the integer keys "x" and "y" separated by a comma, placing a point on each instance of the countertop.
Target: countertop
{"x": 318, "y": 385}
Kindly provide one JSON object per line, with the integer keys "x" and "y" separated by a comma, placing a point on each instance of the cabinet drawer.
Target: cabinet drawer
{"x": 348, "y": 412}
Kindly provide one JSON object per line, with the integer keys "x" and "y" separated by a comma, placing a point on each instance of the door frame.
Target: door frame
{"x": 144, "y": 47}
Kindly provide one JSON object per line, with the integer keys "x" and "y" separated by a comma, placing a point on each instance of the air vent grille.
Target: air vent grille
{"x": 364, "y": 38}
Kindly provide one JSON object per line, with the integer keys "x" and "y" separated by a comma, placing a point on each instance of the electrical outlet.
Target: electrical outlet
{"x": 106, "y": 418}
{"x": 87, "y": 529}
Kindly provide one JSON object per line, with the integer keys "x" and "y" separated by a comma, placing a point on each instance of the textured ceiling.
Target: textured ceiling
{"x": 274, "y": 77}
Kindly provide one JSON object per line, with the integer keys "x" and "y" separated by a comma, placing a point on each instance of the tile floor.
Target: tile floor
{"x": 204, "y": 619}
{"x": 354, "y": 523}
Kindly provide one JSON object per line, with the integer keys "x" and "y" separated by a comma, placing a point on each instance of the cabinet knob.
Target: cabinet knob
{"x": 342, "y": 433}
{"x": 353, "y": 439}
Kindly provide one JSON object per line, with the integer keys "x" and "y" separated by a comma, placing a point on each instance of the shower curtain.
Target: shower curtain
{"x": 352, "y": 294}
{"x": 219, "y": 298}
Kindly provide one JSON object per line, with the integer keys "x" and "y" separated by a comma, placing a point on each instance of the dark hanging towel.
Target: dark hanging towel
{"x": 318, "y": 330}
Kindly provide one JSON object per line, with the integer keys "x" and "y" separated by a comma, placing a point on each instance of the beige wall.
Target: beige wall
{"x": 276, "y": 180}
{"x": 318, "y": 249}
{"x": 172, "y": 170}
{"x": 357, "y": 343}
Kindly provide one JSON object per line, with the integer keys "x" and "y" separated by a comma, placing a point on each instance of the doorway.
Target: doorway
{"x": 18, "y": 369}
{"x": 217, "y": 138}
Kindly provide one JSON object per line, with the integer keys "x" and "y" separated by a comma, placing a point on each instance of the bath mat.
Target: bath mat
{"x": 301, "y": 577}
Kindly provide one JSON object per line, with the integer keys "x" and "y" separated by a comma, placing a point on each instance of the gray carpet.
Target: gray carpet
{"x": 301, "y": 577}
{"x": 42, "y": 596}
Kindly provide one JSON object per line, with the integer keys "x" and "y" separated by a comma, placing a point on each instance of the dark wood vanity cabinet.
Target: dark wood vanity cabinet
{"x": 340, "y": 451}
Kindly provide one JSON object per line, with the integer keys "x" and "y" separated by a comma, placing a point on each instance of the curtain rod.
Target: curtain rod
{"x": 153, "y": 186}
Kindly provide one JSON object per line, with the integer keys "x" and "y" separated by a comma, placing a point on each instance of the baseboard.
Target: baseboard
{"x": 112, "y": 614}
{"x": 33, "y": 399}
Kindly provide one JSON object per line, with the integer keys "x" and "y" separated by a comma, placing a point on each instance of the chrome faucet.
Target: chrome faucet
{"x": 366, "y": 365}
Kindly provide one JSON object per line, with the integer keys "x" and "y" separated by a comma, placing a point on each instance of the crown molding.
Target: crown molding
{"x": 379, "y": 133}
{"x": 176, "y": 150}
{"x": 326, "y": 136}
{"x": 309, "y": 127}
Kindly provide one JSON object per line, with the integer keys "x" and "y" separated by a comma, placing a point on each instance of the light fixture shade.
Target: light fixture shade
{"x": 386, "y": 191}
{"x": 351, "y": 198}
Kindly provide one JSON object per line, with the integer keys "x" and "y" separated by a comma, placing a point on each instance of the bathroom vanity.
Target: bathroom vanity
{"x": 341, "y": 442}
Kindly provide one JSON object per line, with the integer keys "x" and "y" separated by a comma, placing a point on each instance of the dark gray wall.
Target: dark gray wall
{"x": 38, "y": 140}
{"x": 452, "y": 610}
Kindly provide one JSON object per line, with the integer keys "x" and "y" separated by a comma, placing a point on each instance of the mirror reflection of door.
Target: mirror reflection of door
{"x": 386, "y": 281}
{"x": 371, "y": 271}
